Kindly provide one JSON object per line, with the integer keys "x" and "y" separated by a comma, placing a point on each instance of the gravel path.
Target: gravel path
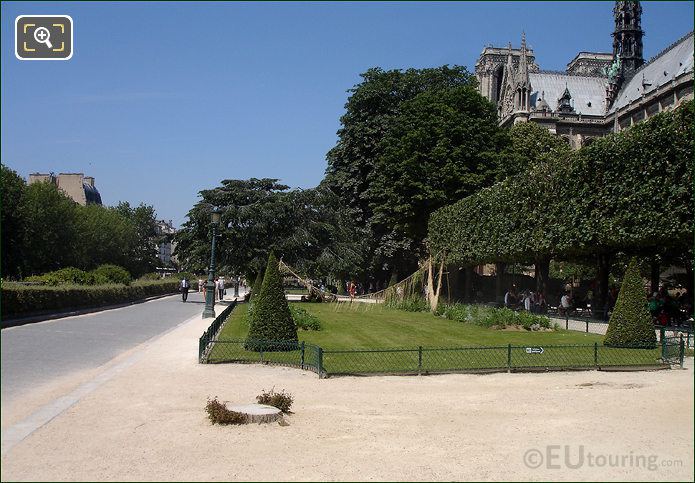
{"x": 147, "y": 423}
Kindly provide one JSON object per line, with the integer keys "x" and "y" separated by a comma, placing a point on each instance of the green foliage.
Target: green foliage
{"x": 150, "y": 276}
{"x": 439, "y": 149}
{"x": 50, "y": 233}
{"x": 271, "y": 319}
{"x": 408, "y": 304}
{"x": 141, "y": 253}
{"x": 567, "y": 270}
{"x": 309, "y": 228}
{"x": 630, "y": 324}
{"x": 104, "y": 274}
{"x": 529, "y": 144}
{"x": 407, "y": 123}
{"x": 303, "y": 319}
{"x": 490, "y": 317}
{"x": 12, "y": 228}
{"x": 44, "y": 230}
{"x": 64, "y": 276}
{"x": 219, "y": 414}
{"x": 19, "y": 300}
{"x": 604, "y": 198}
{"x": 281, "y": 400}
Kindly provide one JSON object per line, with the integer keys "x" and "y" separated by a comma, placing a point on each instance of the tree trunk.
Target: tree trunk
{"x": 542, "y": 274}
{"x": 499, "y": 282}
{"x": 604, "y": 269}
{"x": 655, "y": 275}
{"x": 468, "y": 284}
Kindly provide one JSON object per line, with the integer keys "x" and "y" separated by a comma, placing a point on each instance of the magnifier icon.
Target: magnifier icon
{"x": 42, "y": 35}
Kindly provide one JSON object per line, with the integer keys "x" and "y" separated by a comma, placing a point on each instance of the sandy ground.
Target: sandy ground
{"x": 148, "y": 423}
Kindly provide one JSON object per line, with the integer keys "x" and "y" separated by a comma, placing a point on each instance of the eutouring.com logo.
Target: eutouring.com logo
{"x": 558, "y": 457}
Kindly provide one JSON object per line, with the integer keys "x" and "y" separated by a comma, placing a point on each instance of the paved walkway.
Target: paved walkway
{"x": 141, "y": 417}
{"x": 37, "y": 354}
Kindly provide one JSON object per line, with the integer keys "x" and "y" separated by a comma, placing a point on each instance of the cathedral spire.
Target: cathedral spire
{"x": 523, "y": 61}
{"x": 627, "y": 36}
{"x": 523, "y": 86}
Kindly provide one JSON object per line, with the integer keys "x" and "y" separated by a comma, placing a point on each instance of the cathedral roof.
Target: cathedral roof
{"x": 673, "y": 62}
{"x": 588, "y": 93}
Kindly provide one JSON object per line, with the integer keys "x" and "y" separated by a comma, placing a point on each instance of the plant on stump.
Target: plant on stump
{"x": 630, "y": 324}
{"x": 271, "y": 327}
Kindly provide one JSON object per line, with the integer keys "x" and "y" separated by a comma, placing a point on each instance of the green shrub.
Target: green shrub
{"x": 281, "y": 400}
{"x": 630, "y": 324}
{"x": 64, "y": 276}
{"x": 219, "y": 414}
{"x": 271, "y": 319}
{"x": 494, "y": 317}
{"x": 303, "y": 319}
{"x": 408, "y": 304}
{"x": 189, "y": 276}
{"x": 151, "y": 276}
{"x": 19, "y": 300}
{"x": 104, "y": 274}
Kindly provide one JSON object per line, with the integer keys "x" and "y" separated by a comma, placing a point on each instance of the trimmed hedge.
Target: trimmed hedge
{"x": 601, "y": 199}
{"x": 631, "y": 324}
{"x": 271, "y": 319}
{"x": 19, "y": 300}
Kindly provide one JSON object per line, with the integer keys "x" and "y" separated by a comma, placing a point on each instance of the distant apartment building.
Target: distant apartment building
{"x": 166, "y": 248}
{"x": 76, "y": 185}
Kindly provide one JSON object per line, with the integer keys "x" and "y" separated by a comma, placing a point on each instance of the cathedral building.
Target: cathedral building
{"x": 599, "y": 93}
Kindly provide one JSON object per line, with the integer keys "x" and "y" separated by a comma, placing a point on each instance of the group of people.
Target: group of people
{"x": 528, "y": 300}
{"x": 185, "y": 286}
{"x": 668, "y": 310}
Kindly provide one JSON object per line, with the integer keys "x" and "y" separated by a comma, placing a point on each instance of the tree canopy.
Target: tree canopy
{"x": 308, "y": 228}
{"x": 44, "y": 230}
{"x": 410, "y": 141}
{"x": 630, "y": 191}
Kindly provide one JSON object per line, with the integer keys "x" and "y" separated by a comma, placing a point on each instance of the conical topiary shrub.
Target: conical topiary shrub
{"x": 271, "y": 327}
{"x": 630, "y": 324}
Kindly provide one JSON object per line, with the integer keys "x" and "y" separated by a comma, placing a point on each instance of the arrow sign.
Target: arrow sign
{"x": 534, "y": 350}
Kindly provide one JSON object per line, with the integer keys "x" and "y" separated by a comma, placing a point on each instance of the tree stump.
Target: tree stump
{"x": 256, "y": 413}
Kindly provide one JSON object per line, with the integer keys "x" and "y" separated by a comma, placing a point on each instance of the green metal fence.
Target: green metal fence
{"x": 206, "y": 340}
{"x": 432, "y": 360}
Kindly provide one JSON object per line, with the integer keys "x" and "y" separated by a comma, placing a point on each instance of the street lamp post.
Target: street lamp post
{"x": 210, "y": 285}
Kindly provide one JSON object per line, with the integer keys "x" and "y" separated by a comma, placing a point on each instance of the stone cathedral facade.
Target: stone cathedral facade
{"x": 600, "y": 92}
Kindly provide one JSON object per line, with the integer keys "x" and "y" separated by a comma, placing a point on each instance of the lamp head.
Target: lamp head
{"x": 215, "y": 215}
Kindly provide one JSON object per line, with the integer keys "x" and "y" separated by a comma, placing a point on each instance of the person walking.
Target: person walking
{"x": 220, "y": 288}
{"x": 184, "y": 289}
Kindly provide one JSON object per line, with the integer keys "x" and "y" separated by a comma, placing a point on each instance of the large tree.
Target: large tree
{"x": 307, "y": 228}
{"x": 375, "y": 128}
{"x": 50, "y": 232}
{"x": 439, "y": 149}
{"x": 105, "y": 237}
{"x": 142, "y": 256}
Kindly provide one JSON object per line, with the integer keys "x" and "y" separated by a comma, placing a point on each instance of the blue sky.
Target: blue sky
{"x": 161, "y": 100}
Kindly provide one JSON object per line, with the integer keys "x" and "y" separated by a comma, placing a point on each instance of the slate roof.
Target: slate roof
{"x": 671, "y": 63}
{"x": 588, "y": 93}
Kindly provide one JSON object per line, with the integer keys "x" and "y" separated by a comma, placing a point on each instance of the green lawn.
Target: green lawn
{"x": 347, "y": 328}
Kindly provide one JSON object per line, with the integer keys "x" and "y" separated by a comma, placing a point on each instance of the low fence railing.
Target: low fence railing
{"x": 433, "y": 360}
{"x": 206, "y": 340}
